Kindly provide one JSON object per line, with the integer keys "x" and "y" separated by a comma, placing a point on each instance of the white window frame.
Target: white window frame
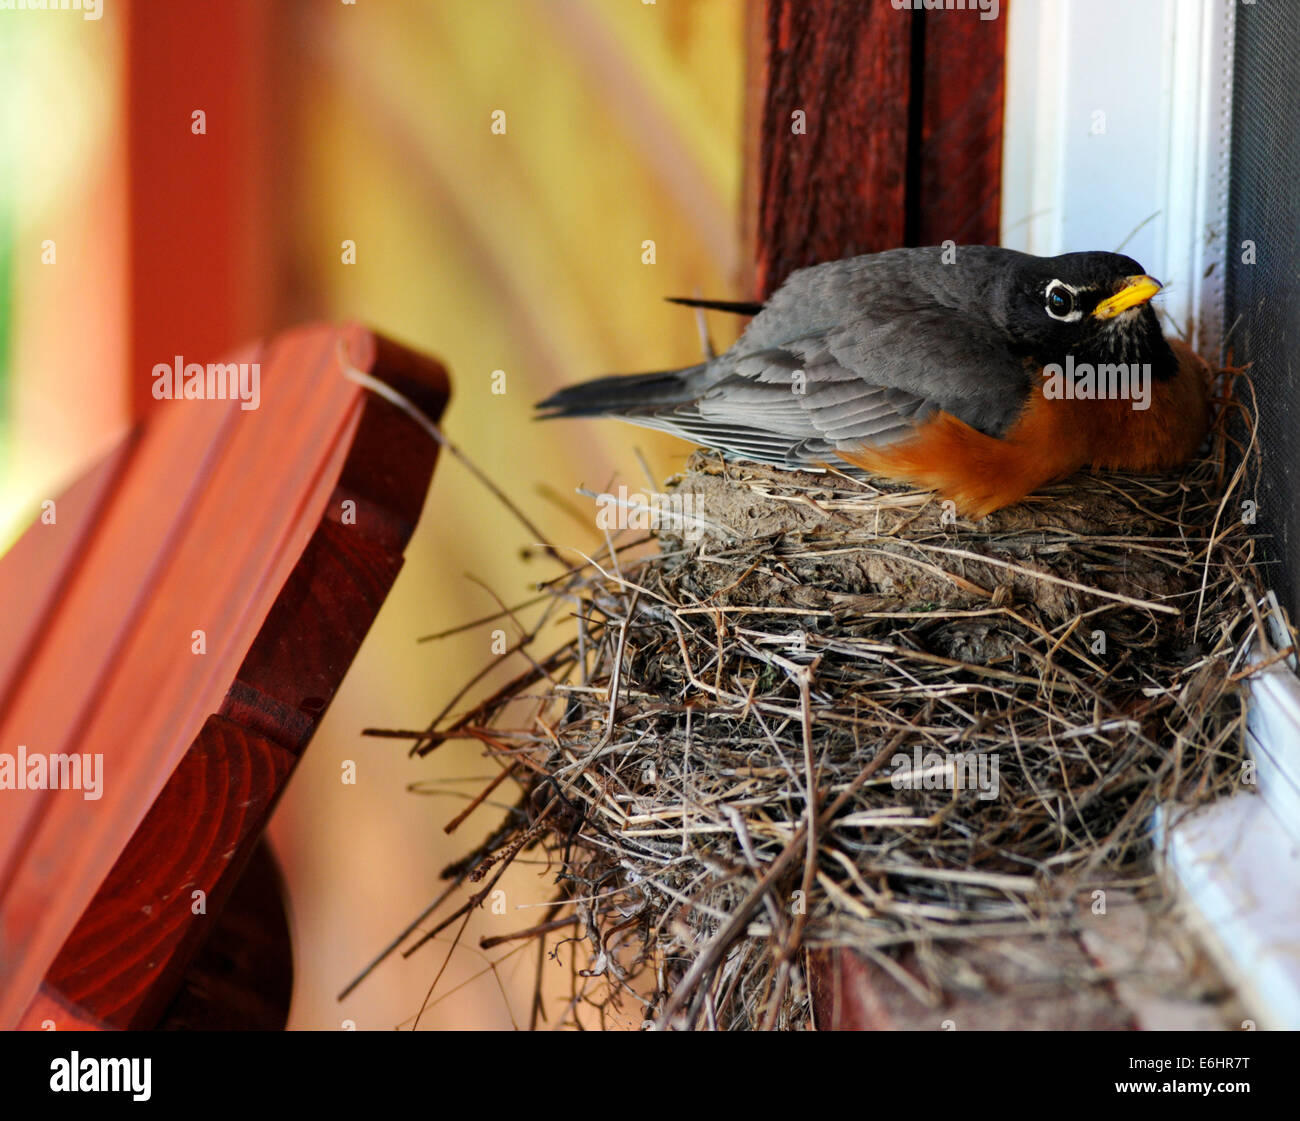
{"x": 1118, "y": 119}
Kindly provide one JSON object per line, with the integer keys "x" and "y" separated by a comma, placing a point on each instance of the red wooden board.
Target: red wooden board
{"x": 838, "y": 188}
{"x": 903, "y": 141}
{"x": 207, "y": 211}
{"x": 218, "y": 519}
{"x": 957, "y": 193}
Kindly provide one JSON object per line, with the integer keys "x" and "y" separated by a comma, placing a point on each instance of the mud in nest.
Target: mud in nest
{"x": 820, "y": 713}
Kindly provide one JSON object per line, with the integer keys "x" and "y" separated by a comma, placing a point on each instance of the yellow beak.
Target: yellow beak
{"x": 1137, "y": 290}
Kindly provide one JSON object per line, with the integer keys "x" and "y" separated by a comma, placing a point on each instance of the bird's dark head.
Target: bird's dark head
{"x": 1094, "y": 306}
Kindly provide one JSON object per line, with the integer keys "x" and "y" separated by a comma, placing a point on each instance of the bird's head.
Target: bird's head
{"x": 1095, "y": 306}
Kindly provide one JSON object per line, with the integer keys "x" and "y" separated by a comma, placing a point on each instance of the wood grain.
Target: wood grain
{"x": 958, "y": 190}
{"x": 904, "y": 131}
{"x": 278, "y": 532}
{"x": 124, "y": 960}
{"x": 838, "y": 189}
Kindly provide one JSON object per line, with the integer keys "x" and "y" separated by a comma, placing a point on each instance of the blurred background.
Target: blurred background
{"x": 132, "y": 230}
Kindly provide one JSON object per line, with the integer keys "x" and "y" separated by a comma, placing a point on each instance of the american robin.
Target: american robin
{"x": 979, "y": 373}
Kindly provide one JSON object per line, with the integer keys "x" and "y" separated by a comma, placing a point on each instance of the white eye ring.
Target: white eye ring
{"x": 1073, "y": 313}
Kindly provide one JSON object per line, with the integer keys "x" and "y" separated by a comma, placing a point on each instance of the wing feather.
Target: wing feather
{"x": 857, "y": 352}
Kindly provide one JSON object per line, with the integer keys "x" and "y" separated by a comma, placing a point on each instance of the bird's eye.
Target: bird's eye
{"x": 1060, "y": 300}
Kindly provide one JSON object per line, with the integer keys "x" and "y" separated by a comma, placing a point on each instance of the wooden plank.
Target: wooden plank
{"x": 904, "y": 131}
{"x": 202, "y": 236}
{"x": 838, "y": 188}
{"x": 189, "y": 544}
{"x": 258, "y": 550}
{"x": 39, "y": 565}
{"x": 124, "y": 960}
{"x": 81, "y": 643}
{"x": 958, "y": 192}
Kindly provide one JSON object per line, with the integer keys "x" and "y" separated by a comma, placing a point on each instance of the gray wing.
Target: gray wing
{"x": 854, "y": 353}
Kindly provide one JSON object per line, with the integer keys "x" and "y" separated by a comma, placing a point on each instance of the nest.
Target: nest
{"x": 810, "y": 712}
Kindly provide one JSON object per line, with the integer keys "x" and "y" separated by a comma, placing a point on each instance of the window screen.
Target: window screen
{"x": 1263, "y": 297}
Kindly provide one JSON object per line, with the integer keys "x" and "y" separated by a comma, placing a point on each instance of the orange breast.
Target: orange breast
{"x": 1052, "y": 438}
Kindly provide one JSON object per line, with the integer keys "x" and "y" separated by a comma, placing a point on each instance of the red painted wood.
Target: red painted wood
{"x": 43, "y": 564}
{"x": 45, "y": 878}
{"x": 242, "y": 977}
{"x": 49, "y": 1012}
{"x": 839, "y": 189}
{"x": 958, "y": 193}
{"x": 904, "y": 131}
{"x": 327, "y": 606}
{"x": 201, "y": 215}
{"x": 125, "y": 958}
{"x": 234, "y": 522}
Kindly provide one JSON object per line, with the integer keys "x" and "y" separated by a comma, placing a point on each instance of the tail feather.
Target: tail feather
{"x": 620, "y": 394}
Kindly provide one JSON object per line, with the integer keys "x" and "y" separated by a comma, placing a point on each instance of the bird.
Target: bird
{"x": 978, "y": 373}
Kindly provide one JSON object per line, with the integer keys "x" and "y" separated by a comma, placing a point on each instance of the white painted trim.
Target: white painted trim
{"x": 1033, "y": 141}
{"x": 1237, "y": 867}
{"x": 1273, "y": 732}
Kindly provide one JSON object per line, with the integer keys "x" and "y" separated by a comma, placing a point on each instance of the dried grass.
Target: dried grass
{"x": 709, "y": 758}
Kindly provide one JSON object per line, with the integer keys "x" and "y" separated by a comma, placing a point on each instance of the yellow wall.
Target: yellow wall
{"x": 518, "y": 252}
